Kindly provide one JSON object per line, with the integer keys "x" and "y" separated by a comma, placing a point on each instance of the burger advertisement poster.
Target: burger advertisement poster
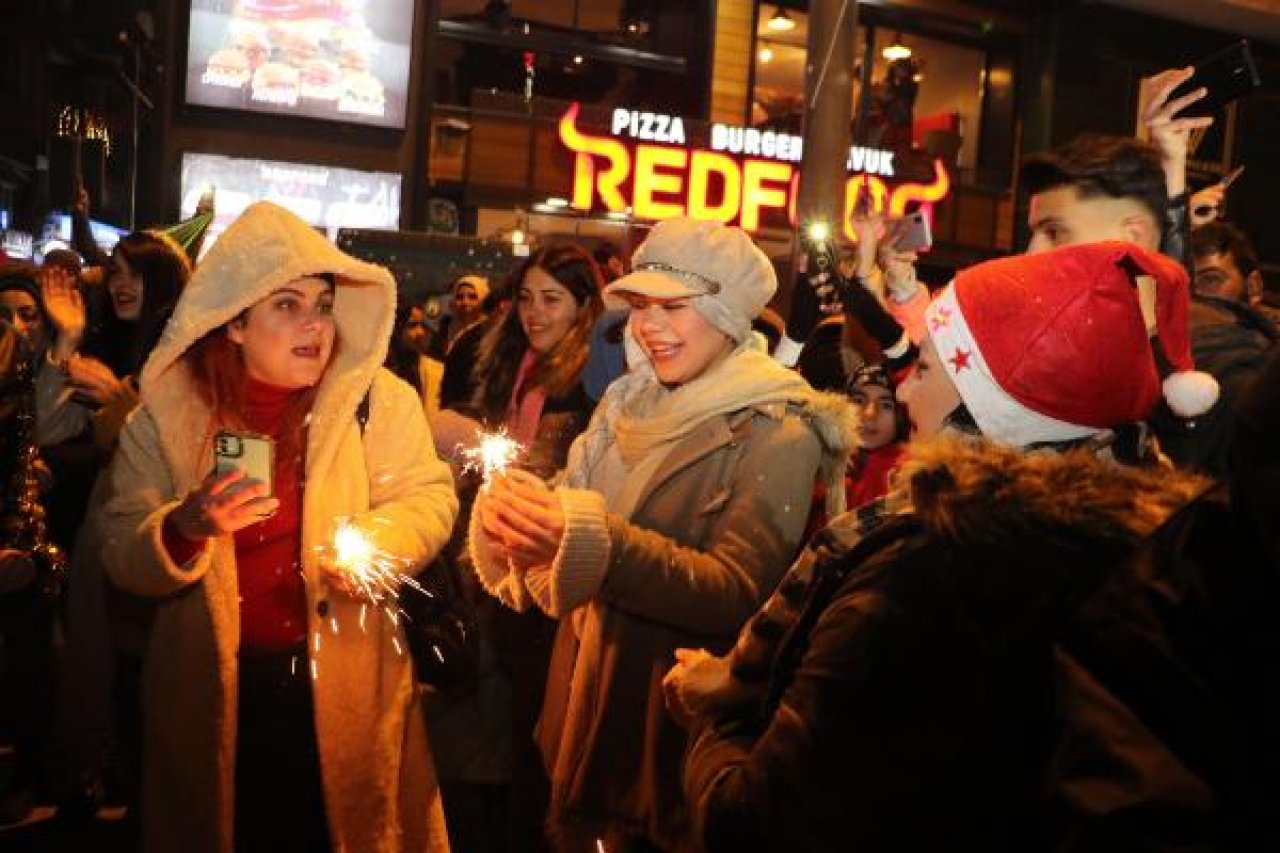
{"x": 344, "y": 60}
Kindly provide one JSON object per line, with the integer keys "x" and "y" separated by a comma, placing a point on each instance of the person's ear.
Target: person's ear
{"x": 1253, "y": 287}
{"x": 1141, "y": 229}
{"x": 235, "y": 330}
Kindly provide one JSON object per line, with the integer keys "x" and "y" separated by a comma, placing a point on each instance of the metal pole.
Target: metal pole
{"x": 133, "y": 148}
{"x": 833, "y": 25}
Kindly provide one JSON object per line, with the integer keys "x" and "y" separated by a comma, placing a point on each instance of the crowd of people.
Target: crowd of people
{"x": 990, "y": 567}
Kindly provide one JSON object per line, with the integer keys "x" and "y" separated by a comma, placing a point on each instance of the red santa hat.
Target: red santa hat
{"x": 1066, "y": 344}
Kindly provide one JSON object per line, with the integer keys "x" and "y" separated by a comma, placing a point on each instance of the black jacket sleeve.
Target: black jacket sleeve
{"x": 850, "y": 739}
{"x": 1175, "y": 236}
{"x": 83, "y": 242}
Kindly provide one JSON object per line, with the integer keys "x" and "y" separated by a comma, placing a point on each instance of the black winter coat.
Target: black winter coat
{"x": 1043, "y": 652}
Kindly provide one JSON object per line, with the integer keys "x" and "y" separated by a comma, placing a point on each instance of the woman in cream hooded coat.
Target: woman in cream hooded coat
{"x": 378, "y": 785}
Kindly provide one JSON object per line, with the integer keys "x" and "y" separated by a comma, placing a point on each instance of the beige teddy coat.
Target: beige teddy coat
{"x": 379, "y": 785}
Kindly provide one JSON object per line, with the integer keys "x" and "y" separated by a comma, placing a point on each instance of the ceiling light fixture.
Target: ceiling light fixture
{"x": 897, "y": 50}
{"x": 766, "y": 55}
{"x": 781, "y": 22}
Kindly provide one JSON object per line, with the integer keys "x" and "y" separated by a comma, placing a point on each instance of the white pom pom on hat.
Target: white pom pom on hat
{"x": 1190, "y": 393}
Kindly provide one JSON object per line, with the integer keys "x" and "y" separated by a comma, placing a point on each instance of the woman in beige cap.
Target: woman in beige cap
{"x": 681, "y": 504}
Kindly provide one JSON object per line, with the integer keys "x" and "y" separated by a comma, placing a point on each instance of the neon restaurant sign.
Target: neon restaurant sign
{"x": 741, "y": 176}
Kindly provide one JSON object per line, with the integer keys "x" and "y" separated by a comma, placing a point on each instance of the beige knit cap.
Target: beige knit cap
{"x": 720, "y": 268}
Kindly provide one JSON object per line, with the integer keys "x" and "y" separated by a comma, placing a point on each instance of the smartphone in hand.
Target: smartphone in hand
{"x": 913, "y": 233}
{"x": 248, "y": 452}
{"x": 1225, "y": 76}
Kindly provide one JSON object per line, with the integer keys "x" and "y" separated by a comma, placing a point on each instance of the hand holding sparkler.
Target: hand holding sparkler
{"x": 355, "y": 565}
{"x": 524, "y": 517}
{"x": 492, "y": 455}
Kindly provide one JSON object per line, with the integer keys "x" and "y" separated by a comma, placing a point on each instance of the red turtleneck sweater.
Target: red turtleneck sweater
{"x": 273, "y": 605}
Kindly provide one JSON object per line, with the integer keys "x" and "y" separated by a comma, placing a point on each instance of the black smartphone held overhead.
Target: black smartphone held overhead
{"x": 824, "y": 266}
{"x": 248, "y": 452}
{"x": 1226, "y": 76}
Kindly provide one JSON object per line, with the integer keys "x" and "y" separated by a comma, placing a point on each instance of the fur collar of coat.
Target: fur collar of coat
{"x": 984, "y": 493}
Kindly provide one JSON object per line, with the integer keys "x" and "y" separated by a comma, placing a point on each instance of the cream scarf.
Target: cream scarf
{"x": 641, "y": 420}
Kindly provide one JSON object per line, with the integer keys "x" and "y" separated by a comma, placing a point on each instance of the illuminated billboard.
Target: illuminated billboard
{"x": 647, "y": 167}
{"x": 323, "y": 196}
{"x": 343, "y": 60}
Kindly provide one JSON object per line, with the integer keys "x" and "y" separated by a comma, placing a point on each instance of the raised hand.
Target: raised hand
{"x": 1169, "y": 133}
{"x": 64, "y": 305}
{"x": 870, "y": 228}
{"x": 899, "y": 266}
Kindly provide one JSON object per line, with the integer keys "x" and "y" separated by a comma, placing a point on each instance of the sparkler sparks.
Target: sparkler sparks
{"x": 492, "y": 455}
{"x": 374, "y": 574}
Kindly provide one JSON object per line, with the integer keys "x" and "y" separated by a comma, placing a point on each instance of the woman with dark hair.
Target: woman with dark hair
{"x": 101, "y": 356}
{"x": 530, "y": 364}
{"x": 402, "y": 357}
{"x": 85, "y": 390}
{"x": 528, "y": 370}
{"x": 278, "y": 713}
{"x": 144, "y": 280}
{"x": 528, "y": 379}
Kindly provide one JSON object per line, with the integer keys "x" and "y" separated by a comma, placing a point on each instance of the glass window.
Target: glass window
{"x": 463, "y": 68}
{"x": 777, "y": 101}
{"x": 606, "y": 52}
{"x": 922, "y": 93}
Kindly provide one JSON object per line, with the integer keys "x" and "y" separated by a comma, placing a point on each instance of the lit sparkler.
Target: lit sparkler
{"x": 492, "y": 455}
{"x": 374, "y": 574}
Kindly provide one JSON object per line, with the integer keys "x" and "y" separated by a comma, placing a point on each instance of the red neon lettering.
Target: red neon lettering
{"x": 585, "y": 180}
{"x": 703, "y": 165}
{"x": 923, "y": 193}
{"x": 764, "y": 185}
{"x": 749, "y": 189}
{"x": 650, "y": 181}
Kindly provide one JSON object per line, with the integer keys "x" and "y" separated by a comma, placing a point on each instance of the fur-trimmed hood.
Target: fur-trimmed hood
{"x": 833, "y": 419}
{"x": 981, "y": 493}
{"x": 265, "y": 248}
